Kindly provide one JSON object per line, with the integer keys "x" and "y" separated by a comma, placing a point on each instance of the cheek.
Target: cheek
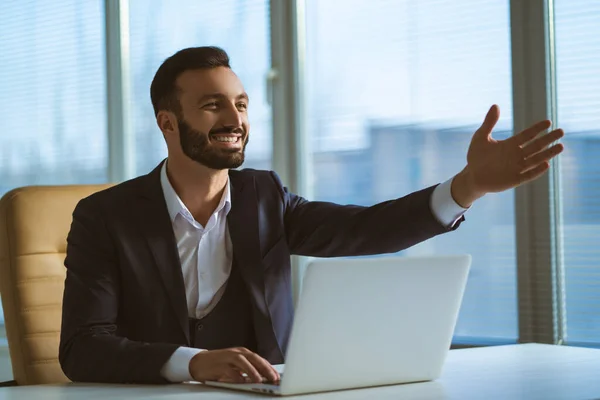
{"x": 203, "y": 122}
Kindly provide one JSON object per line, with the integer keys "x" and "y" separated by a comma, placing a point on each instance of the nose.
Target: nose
{"x": 232, "y": 118}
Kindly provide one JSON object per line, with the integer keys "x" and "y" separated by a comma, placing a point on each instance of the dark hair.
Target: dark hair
{"x": 163, "y": 90}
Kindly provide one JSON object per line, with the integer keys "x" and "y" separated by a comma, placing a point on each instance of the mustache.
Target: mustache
{"x": 227, "y": 131}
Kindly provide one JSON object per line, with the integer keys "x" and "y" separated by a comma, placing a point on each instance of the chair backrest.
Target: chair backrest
{"x": 34, "y": 223}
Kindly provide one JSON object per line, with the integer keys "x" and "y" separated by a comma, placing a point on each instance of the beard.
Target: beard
{"x": 196, "y": 145}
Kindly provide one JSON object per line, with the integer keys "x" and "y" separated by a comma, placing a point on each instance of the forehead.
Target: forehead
{"x": 196, "y": 83}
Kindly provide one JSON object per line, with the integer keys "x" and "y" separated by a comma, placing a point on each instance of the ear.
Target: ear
{"x": 167, "y": 122}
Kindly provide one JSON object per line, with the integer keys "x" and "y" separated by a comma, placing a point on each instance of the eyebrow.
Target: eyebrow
{"x": 243, "y": 96}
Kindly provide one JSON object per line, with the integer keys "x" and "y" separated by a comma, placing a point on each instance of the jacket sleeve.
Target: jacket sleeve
{"x": 90, "y": 348}
{"x": 322, "y": 229}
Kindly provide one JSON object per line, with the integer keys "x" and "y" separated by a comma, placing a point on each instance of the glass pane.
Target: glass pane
{"x": 53, "y": 84}
{"x": 578, "y": 91}
{"x": 53, "y": 87}
{"x": 159, "y": 28}
{"x": 395, "y": 91}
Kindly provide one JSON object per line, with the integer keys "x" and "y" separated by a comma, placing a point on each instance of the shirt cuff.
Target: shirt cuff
{"x": 443, "y": 206}
{"x": 177, "y": 369}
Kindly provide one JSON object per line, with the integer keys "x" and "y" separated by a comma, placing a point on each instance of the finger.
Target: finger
{"x": 531, "y": 132}
{"x": 241, "y": 362}
{"x": 534, "y": 172}
{"x": 242, "y": 350}
{"x": 542, "y": 142}
{"x": 264, "y": 367}
{"x": 232, "y": 375}
{"x": 542, "y": 156}
{"x": 485, "y": 130}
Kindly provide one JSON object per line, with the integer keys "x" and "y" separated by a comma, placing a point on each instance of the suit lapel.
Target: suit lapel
{"x": 242, "y": 222}
{"x": 157, "y": 229}
{"x": 243, "y": 225}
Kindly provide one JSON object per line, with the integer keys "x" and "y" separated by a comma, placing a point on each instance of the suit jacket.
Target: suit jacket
{"x": 124, "y": 306}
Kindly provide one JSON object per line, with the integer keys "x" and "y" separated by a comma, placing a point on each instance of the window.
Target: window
{"x": 394, "y": 91}
{"x": 53, "y": 89}
{"x": 578, "y": 93}
{"x": 392, "y": 110}
{"x": 160, "y": 28}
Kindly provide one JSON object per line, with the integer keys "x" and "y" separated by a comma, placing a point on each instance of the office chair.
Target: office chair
{"x": 34, "y": 223}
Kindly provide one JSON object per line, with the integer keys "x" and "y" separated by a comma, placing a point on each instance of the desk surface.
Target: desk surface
{"x": 530, "y": 371}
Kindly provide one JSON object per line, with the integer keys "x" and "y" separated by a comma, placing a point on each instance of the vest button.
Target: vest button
{"x": 199, "y": 327}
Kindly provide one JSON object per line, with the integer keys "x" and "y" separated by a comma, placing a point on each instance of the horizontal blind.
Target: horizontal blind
{"x": 578, "y": 99}
{"x": 52, "y": 77}
{"x": 159, "y": 28}
{"x": 52, "y": 81}
{"x": 395, "y": 90}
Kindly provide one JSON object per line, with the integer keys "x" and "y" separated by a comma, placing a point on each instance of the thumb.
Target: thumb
{"x": 485, "y": 130}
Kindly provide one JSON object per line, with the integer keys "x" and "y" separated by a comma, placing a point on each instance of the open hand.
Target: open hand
{"x": 499, "y": 165}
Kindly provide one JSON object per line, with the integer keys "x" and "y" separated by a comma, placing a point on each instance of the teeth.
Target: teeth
{"x": 226, "y": 139}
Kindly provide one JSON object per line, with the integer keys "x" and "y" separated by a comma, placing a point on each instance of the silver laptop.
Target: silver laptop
{"x": 370, "y": 322}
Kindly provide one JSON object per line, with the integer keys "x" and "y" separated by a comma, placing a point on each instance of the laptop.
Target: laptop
{"x": 370, "y": 322}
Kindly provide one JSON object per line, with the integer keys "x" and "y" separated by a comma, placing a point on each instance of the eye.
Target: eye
{"x": 242, "y": 106}
{"x": 212, "y": 105}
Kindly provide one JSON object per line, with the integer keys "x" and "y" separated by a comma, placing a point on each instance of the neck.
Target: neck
{"x": 199, "y": 188}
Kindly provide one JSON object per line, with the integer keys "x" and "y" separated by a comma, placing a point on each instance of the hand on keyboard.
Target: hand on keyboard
{"x": 235, "y": 365}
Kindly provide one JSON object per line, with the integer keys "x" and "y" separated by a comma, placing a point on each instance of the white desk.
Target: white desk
{"x": 527, "y": 372}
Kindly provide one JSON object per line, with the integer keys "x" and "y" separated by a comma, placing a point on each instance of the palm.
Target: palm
{"x": 498, "y": 165}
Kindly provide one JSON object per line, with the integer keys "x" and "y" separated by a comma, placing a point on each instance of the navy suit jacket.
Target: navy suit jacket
{"x": 124, "y": 306}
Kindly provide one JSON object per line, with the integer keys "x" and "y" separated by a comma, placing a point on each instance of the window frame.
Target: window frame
{"x": 540, "y": 275}
{"x": 121, "y": 148}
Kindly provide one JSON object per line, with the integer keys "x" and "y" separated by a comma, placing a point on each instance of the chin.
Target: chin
{"x": 221, "y": 163}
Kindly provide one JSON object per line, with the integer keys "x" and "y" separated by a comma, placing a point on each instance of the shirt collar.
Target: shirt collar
{"x": 174, "y": 204}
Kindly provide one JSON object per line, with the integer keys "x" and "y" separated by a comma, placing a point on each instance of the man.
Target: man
{"x": 185, "y": 273}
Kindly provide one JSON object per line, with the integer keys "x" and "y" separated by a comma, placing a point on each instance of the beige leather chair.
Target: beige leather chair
{"x": 34, "y": 222}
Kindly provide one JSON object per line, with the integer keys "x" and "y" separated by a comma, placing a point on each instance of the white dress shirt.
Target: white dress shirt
{"x": 206, "y": 257}
{"x": 205, "y": 253}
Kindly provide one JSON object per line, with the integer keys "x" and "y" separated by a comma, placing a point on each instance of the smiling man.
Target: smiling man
{"x": 184, "y": 273}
